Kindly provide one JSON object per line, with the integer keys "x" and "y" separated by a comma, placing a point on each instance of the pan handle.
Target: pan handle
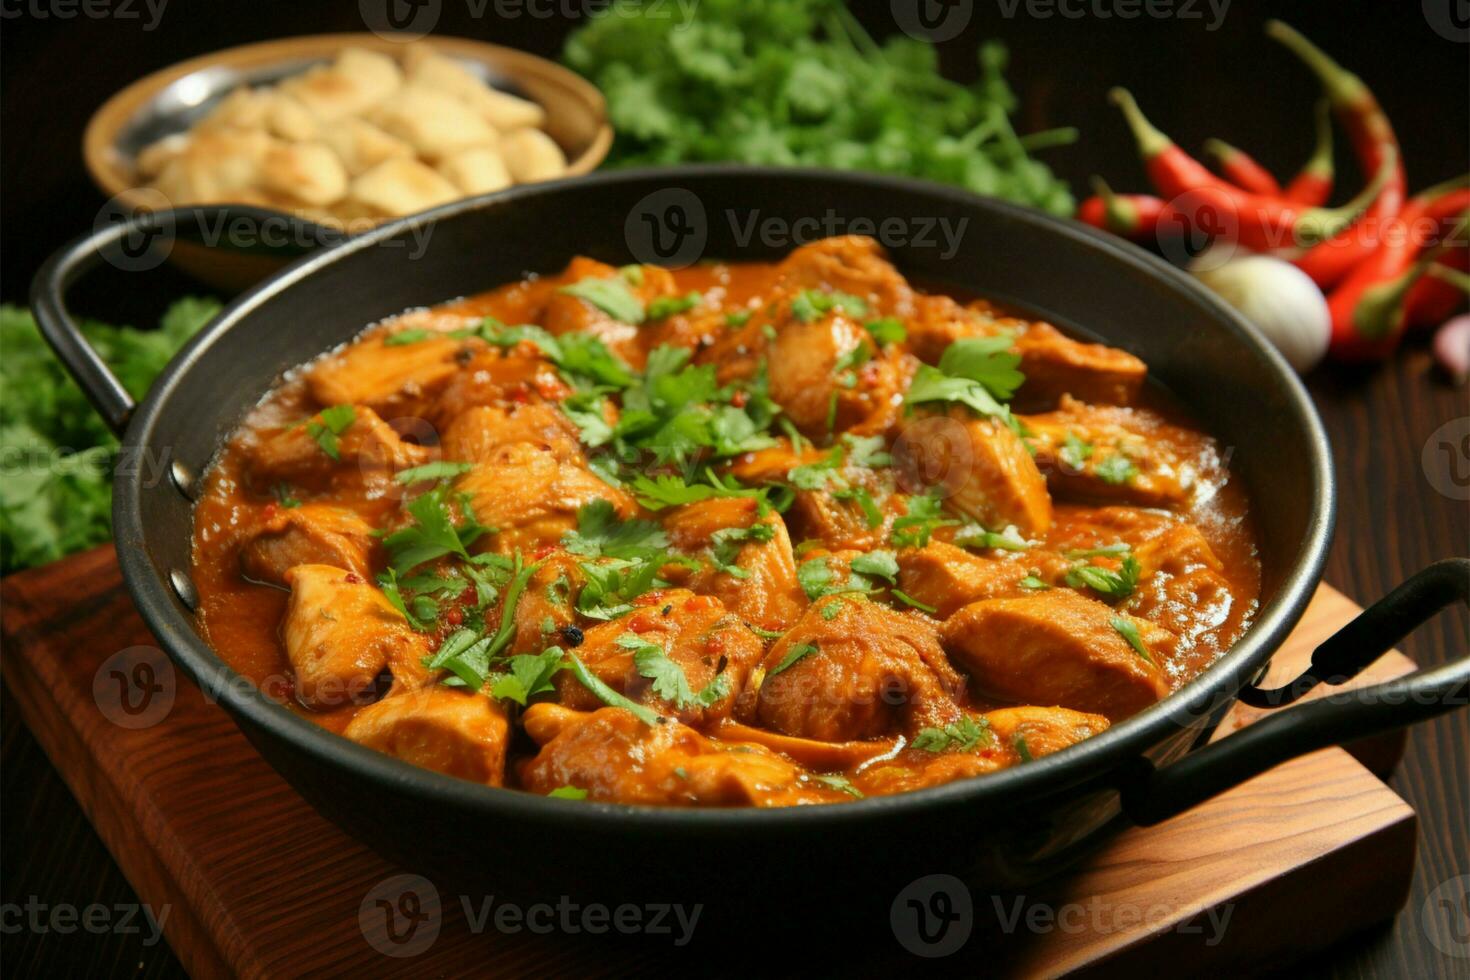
{"x": 1150, "y": 795}
{"x": 135, "y": 241}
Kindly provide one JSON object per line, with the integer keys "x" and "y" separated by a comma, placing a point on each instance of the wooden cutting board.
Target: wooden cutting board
{"x": 257, "y": 884}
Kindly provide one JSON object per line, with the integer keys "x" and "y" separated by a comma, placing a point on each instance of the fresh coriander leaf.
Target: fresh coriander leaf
{"x": 411, "y": 336}
{"x": 872, "y": 516}
{"x": 607, "y": 695}
{"x": 611, "y": 296}
{"x": 975, "y": 536}
{"x": 831, "y": 610}
{"x": 530, "y": 675}
{"x": 388, "y": 582}
{"x": 811, "y": 304}
{"x": 840, "y": 783}
{"x": 965, "y": 735}
{"x": 932, "y": 385}
{"x": 1034, "y": 583}
{"x": 1114, "y": 585}
{"x": 923, "y": 518}
{"x": 795, "y": 653}
{"x": 465, "y": 654}
{"x": 909, "y": 600}
{"x": 669, "y": 679}
{"x": 433, "y": 533}
{"x": 986, "y": 360}
{"x": 632, "y": 274}
{"x": 664, "y": 306}
{"x": 333, "y": 422}
{"x": 866, "y": 451}
{"x": 601, "y": 533}
{"x": 1074, "y": 452}
{"x": 1118, "y": 548}
{"x": 1116, "y": 469}
{"x": 568, "y": 793}
{"x": 520, "y": 575}
{"x": 439, "y": 470}
{"x": 887, "y": 330}
{"x": 764, "y": 634}
{"x": 284, "y": 496}
{"x": 593, "y": 429}
{"x": 1022, "y": 749}
{"x": 815, "y": 577}
{"x": 877, "y": 564}
{"x": 737, "y": 319}
{"x": 1129, "y": 632}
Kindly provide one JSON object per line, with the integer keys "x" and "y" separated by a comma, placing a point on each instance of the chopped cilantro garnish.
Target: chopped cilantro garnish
{"x": 419, "y": 613}
{"x": 411, "y": 336}
{"x": 924, "y": 517}
{"x": 333, "y": 422}
{"x": 1116, "y": 469}
{"x": 965, "y": 735}
{"x": 1022, "y": 749}
{"x": 867, "y": 451}
{"x": 1115, "y": 585}
{"x": 1034, "y": 583}
{"x": 737, "y": 319}
{"x": 909, "y": 600}
{"x": 794, "y": 654}
{"x": 568, "y": 793}
{"x": 611, "y": 296}
{"x": 1115, "y": 549}
{"x": 530, "y": 674}
{"x": 811, "y": 304}
{"x": 439, "y": 470}
{"x": 669, "y": 679}
{"x": 840, "y": 783}
{"x": 465, "y": 654}
{"x": 876, "y": 564}
{"x": 1074, "y": 452}
{"x": 663, "y": 306}
{"x": 975, "y": 536}
{"x": 600, "y": 533}
{"x": 284, "y": 496}
{"x": 887, "y": 330}
{"x": 433, "y": 533}
{"x": 607, "y": 695}
{"x": 1128, "y": 631}
{"x": 978, "y": 372}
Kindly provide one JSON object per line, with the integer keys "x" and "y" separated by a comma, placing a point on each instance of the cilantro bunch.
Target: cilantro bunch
{"x": 802, "y": 83}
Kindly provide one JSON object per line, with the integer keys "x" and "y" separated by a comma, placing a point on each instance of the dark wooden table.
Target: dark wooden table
{"x": 1230, "y": 82}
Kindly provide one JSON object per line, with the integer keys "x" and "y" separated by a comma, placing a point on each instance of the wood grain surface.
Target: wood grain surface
{"x": 239, "y": 870}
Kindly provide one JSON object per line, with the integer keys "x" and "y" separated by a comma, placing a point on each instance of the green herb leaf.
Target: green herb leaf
{"x": 965, "y": 735}
{"x": 611, "y": 296}
{"x": 1129, "y": 632}
{"x": 530, "y": 674}
{"x": 433, "y": 533}
{"x": 607, "y": 695}
{"x": 796, "y": 653}
{"x": 909, "y": 600}
{"x": 410, "y": 336}
{"x": 840, "y": 783}
{"x": 439, "y": 470}
{"x": 887, "y": 330}
{"x": 600, "y": 533}
{"x": 664, "y": 306}
{"x": 810, "y": 304}
{"x": 1116, "y": 469}
{"x": 568, "y": 793}
{"x": 1115, "y": 585}
{"x": 333, "y": 422}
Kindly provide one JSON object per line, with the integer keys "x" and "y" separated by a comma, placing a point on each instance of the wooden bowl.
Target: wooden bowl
{"x": 173, "y": 99}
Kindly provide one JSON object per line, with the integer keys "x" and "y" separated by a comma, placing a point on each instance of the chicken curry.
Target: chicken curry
{"x": 733, "y": 535}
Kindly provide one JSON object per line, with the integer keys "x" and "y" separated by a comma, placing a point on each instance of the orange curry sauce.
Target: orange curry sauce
{"x": 928, "y": 590}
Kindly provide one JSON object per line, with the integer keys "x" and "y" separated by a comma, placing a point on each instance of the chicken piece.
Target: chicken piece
{"x": 341, "y": 633}
{"x": 617, "y": 758}
{"x": 852, "y": 669}
{"x": 713, "y": 650}
{"x": 298, "y": 454}
{"x": 947, "y": 578}
{"x": 767, "y": 594}
{"x": 1056, "y": 365}
{"x": 775, "y": 463}
{"x": 531, "y": 497}
{"x": 1059, "y": 647}
{"x": 827, "y": 377}
{"x": 476, "y": 433}
{"x": 393, "y": 379}
{"x": 1182, "y": 586}
{"x": 311, "y": 534}
{"x": 853, "y": 264}
{"x": 1092, "y": 452}
{"x": 566, "y": 313}
{"x": 456, "y": 732}
{"x": 497, "y": 377}
{"x": 1053, "y": 363}
{"x": 917, "y": 768}
{"x": 981, "y": 467}
{"x": 1042, "y": 730}
{"x": 840, "y": 521}
{"x": 545, "y": 615}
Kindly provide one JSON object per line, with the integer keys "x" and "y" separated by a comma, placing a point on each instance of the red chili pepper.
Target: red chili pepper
{"x": 1313, "y": 183}
{"x": 1242, "y": 170}
{"x": 1373, "y": 141}
{"x": 1131, "y": 216}
{"x": 1436, "y": 298}
{"x": 1259, "y": 222}
{"x": 1368, "y": 307}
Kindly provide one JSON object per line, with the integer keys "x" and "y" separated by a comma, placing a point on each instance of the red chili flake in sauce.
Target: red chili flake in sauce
{"x": 543, "y": 551}
{"x": 278, "y": 688}
{"x": 455, "y": 616}
{"x": 352, "y": 579}
{"x": 642, "y": 622}
{"x": 701, "y": 602}
{"x": 520, "y": 395}
{"x": 270, "y": 512}
{"x": 715, "y": 643}
{"x": 469, "y": 596}
{"x": 739, "y": 399}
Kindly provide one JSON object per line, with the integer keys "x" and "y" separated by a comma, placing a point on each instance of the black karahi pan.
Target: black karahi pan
{"x": 994, "y": 831}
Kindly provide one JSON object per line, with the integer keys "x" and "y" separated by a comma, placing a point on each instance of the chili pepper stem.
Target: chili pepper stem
{"x": 1455, "y": 277}
{"x": 1380, "y": 311}
{"x": 1316, "y": 224}
{"x": 1342, "y": 86}
{"x": 1120, "y": 216}
{"x": 1320, "y": 162}
{"x": 1151, "y": 141}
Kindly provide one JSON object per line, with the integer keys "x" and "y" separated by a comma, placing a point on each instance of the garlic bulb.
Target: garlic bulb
{"x": 1281, "y": 300}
